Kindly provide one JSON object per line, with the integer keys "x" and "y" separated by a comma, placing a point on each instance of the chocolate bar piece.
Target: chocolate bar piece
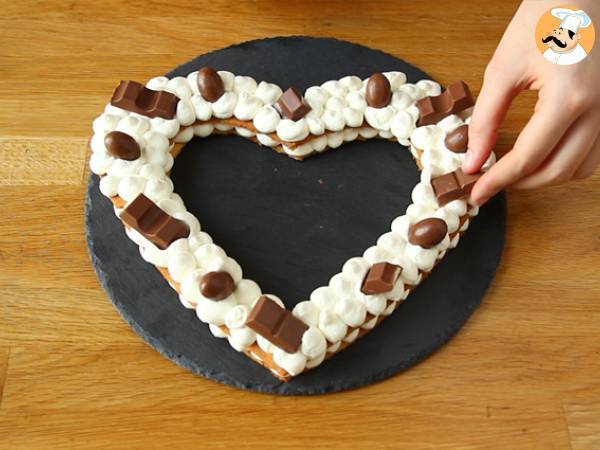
{"x": 458, "y": 140}
{"x": 137, "y": 98}
{"x": 122, "y": 146}
{"x": 454, "y": 185}
{"x": 153, "y": 223}
{"x": 457, "y": 97}
{"x": 378, "y": 92}
{"x": 466, "y": 181}
{"x": 291, "y": 105}
{"x": 276, "y": 324}
{"x": 381, "y": 278}
{"x": 289, "y": 333}
{"x": 428, "y": 233}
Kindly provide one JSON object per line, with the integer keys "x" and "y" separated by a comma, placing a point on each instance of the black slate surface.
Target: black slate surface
{"x": 291, "y": 225}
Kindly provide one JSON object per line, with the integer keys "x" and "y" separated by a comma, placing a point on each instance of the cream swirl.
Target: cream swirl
{"x": 266, "y": 119}
{"x": 357, "y": 101}
{"x": 332, "y": 327}
{"x": 396, "y": 79}
{"x": 316, "y": 97}
{"x": 316, "y": 126}
{"x": 134, "y": 125}
{"x": 237, "y": 316}
{"x": 105, "y": 123}
{"x": 228, "y": 79}
{"x": 247, "y": 106}
{"x": 130, "y": 187}
{"x": 292, "y": 131}
{"x": 351, "y": 82}
{"x": 223, "y": 108}
{"x": 351, "y": 311}
{"x": 185, "y": 135}
{"x": 313, "y": 343}
{"x": 168, "y": 127}
{"x": 203, "y": 129}
{"x": 202, "y": 108}
{"x": 179, "y": 86}
{"x": 245, "y": 84}
{"x": 247, "y": 292}
{"x": 334, "y": 88}
{"x": 402, "y": 126}
{"x": 292, "y": 363}
{"x": 157, "y": 189}
{"x": 308, "y": 312}
{"x": 241, "y": 338}
{"x": 109, "y": 185}
{"x": 380, "y": 118}
{"x": 353, "y": 117}
{"x": 268, "y": 93}
{"x": 267, "y": 140}
{"x": 324, "y": 297}
{"x": 334, "y": 119}
{"x": 429, "y": 88}
{"x": 180, "y": 264}
{"x": 210, "y": 311}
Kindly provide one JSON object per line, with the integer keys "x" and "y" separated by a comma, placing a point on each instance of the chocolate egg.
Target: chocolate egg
{"x": 427, "y": 233}
{"x": 216, "y": 285}
{"x": 458, "y": 139}
{"x": 210, "y": 84}
{"x": 122, "y": 146}
{"x": 379, "y": 91}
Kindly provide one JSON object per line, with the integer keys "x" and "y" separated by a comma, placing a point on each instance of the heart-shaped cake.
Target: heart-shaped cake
{"x": 143, "y": 128}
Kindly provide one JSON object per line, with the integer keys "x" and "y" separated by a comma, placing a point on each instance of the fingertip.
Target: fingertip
{"x": 474, "y": 160}
{"x": 467, "y": 165}
{"x": 480, "y": 201}
{"x": 482, "y": 191}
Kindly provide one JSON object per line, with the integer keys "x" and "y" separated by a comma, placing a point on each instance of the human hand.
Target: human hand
{"x": 561, "y": 141}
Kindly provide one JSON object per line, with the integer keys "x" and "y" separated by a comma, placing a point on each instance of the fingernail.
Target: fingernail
{"x": 467, "y": 160}
{"x": 481, "y": 201}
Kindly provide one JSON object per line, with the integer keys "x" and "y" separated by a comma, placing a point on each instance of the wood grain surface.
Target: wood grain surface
{"x": 523, "y": 373}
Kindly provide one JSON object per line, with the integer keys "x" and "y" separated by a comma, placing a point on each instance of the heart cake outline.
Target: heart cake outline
{"x": 133, "y": 150}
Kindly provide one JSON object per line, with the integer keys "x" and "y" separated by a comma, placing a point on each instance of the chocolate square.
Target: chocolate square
{"x": 381, "y": 278}
{"x": 265, "y": 317}
{"x": 446, "y": 188}
{"x": 466, "y": 181}
{"x": 291, "y": 105}
{"x": 460, "y": 96}
{"x": 289, "y": 334}
{"x": 139, "y": 208}
{"x": 456, "y": 98}
{"x": 135, "y": 97}
{"x": 427, "y": 111}
{"x": 170, "y": 230}
{"x": 153, "y": 223}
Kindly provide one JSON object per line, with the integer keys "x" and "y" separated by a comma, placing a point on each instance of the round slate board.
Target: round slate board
{"x": 291, "y": 225}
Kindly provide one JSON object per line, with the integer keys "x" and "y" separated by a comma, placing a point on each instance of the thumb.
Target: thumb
{"x": 497, "y": 93}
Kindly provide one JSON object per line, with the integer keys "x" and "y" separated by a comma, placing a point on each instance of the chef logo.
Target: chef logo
{"x": 565, "y": 35}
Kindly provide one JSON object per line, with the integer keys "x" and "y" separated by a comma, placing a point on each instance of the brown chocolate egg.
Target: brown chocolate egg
{"x": 210, "y": 84}
{"x": 216, "y": 285}
{"x": 122, "y": 146}
{"x": 427, "y": 233}
{"x": 458, "y": 139}
{"x": 379, "y": 91}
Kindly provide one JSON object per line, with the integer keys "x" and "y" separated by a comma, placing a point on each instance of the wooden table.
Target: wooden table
{"x": 523, "y": 373}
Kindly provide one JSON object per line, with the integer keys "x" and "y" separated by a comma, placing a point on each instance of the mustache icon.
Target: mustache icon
{"x": 556, "y": 41}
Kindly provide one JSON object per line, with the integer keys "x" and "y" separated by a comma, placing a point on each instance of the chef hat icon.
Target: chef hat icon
{"x": 570, "y": 19}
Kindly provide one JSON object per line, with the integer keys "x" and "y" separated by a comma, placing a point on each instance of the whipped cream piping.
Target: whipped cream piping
{"x": 340, "y": 312}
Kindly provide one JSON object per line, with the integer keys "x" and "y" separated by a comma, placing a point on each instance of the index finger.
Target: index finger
{"x": 537, "y": 140}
